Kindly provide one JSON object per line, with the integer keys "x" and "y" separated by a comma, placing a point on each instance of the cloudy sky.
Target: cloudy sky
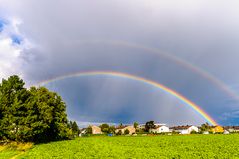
{"x": 189, "y": 46}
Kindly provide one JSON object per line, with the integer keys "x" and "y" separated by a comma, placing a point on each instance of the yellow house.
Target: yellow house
{"x": 217, "y": 129}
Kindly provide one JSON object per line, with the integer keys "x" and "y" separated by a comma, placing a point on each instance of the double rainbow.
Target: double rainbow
{"x": 183, "y": 99}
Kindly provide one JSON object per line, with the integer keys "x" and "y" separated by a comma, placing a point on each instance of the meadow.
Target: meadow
{"x": 177, "y": 146}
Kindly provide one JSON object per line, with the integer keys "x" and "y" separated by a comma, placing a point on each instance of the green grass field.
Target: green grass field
{"x": 189, "y": 146}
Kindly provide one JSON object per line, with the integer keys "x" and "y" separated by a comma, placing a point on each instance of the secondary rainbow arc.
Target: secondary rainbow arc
{"x": 194, "y": 106}
{"x": 205, "y": 74}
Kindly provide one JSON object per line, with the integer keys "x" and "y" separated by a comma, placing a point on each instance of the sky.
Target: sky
{"x": 188, "y": 46}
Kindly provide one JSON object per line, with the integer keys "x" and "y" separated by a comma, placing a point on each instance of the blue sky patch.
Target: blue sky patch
{"x": 16, "y": 39}
{"x": 2, "y": 23}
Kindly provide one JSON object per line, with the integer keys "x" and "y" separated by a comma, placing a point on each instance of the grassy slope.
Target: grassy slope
{"x": 192, "y": 146}
{"x": 13, "y": 150}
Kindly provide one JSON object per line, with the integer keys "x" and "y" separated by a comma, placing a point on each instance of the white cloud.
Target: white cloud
{"x": 12, "y": 45}
{"x": 9, "y": 58}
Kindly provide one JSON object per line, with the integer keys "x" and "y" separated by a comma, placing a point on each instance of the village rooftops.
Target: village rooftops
{"x": 183, "y": 127}
{"x": 121, "y": 126}
{"x": 231, "y": 127}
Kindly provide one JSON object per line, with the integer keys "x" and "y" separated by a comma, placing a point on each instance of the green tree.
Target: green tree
{"x": 111, "y": 130}
{"x": 89, "y": 130}
{"x": 119, "y": 132}
{"x": 75, "y": 129}
{"x": 13, "y": 97}
{"x": 31, "y": 115}
{"x": 205, "y": 127}
{"x": 193, "y": 132}
{"x": 126, "y": 132}
{"x": 105, "y": 128}
{"x": 136, "y": 125}
{"x": 149, "y": 125}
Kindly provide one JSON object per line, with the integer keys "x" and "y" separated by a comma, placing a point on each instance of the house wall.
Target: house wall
{"x": 188, "y": 130}
{"x": 96, "y": 130}
{"x": 192, "y": 128}
{"x": 161, "y": 129}
{"x": 130, "y": 128}
{"x": 218, "y": 129}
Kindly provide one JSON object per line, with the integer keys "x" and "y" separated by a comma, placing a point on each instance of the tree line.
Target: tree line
{"x": 35, "y": 114}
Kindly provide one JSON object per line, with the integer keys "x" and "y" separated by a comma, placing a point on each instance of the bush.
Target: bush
{"x": 193, "y": 132}
{"x": 119, "y": 132}
{"x": 126, "y": 132}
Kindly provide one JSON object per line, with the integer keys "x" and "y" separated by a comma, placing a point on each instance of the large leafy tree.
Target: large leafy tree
{"x": 31, "y": 115}
{"x": 13, "y": 97}
{"x": 48, "y": 115}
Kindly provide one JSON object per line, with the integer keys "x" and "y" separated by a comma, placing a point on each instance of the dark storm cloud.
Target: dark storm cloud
{"x": 64, "y": 34}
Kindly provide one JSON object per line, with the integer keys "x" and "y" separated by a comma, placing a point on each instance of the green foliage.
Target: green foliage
{"x": 111, "y": 130}
{"x": 193, "y": 132}
{"x": 136, "y": 125}
{"x": 104, "y": 128}
{"x": 31, "y": 115}
{"x": 176, "y": 146}
{"x": 126, "y": 132}
{"x": 119, "y": 132}
{"x": 89, "y": 130}
{"x": 74, "y": 128}
{"x": 149, "y": 125}
{"x": 205, "y": 127}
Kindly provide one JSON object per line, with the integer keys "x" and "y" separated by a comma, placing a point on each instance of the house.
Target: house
{"x": 188, "y": 129}
{"x": 205, "y": 133}
{"x": 217, "y": 129}
{"x": 123, "y": 128}
{"x": 141, "y": 126}
{"x": 83, "y": 131}
{"x": 160, "y": 129}
{"x": 96, "y": 130}
{"x": 226, "y": 132}
{"x": 232, "y": 129}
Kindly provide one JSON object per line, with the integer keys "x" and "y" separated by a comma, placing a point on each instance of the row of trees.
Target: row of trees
{"x": 34, "y": 114}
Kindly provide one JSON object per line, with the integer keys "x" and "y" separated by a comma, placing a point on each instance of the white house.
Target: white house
{"x": 226, "y": 132}
{"x": 160, "y": 129}
{"x": 82, "y": 132}
{"x": 141, "y": 126}
{"x": 185, "y": 129}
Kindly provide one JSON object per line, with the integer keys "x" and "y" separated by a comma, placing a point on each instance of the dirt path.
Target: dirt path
{"x": 18, "y": 155}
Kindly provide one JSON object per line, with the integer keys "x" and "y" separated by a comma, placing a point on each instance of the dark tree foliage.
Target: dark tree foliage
{"x": 105, "y": 128}
{"x": 36, "y": 115}
{"x": 111, "y": 130}
{"x": 149, "y": 125}
{"x": 89, "y": 130}
{"x": 75, "y": 129}
{"x": 205, "y": 127}
{"x": 126, "y": 132}
{"x": 119, "y": 132}
{"x": 136, "y": 125}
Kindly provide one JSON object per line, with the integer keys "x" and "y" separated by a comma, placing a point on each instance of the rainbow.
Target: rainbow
{"x": 139, "y": 79}
{"x": 177, "y": 60}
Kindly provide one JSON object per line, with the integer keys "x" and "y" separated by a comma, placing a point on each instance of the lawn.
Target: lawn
{"x": 179, "y": 146}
